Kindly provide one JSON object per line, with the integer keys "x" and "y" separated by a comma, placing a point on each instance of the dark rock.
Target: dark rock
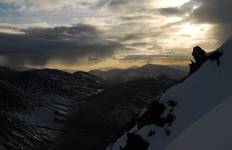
{"x": 172, "y": 103}
{"x": 135, "y": 142}
{"x": 168, "y": 132}
{"x": 153, "y": 115}
{"x": 201, "y": 57}
{"x": 151, "y": 133}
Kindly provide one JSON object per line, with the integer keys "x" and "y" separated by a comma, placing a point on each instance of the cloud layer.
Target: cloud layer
{"x": 218, "y": 13}
{"x": 214, "y": 12}
{"x": 65, "y": 44}
{"x": 37, "y": 32}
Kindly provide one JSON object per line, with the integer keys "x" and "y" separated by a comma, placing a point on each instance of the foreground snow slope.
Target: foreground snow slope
{"x": 196, "y": 96}
{"x": 211, "y": 132}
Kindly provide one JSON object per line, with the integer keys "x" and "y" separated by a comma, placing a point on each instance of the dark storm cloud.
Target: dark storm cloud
{"x": 134, "y": 36}
{"x": 66, "y": 44}
{"x": 138, "y": 17}
{"x": 216, "y": 12}
{"x": 171, "y": 11}
{"x": 178, "y": 11}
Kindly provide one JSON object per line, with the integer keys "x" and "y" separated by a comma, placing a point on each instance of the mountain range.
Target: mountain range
{"x": 146, "y": 71}
{"x": 40, "y": 102}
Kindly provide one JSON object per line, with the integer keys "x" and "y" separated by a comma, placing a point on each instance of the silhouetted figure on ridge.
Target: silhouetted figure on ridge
{"x": 200, "y": 57}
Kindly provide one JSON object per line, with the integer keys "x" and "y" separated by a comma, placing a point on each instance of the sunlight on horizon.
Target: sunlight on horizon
{"x": 111, "y": 64}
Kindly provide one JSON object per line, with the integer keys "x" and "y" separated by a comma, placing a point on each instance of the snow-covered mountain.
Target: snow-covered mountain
{"x": 39, "y": 102}
{"x": 173, "y": 120}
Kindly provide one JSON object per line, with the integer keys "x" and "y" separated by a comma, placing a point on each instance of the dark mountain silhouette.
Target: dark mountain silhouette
{"x": 147, "y": 71}
{"x": 52, "y": 81}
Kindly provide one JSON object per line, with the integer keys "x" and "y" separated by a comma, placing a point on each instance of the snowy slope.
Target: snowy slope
{"x": 211, "y": 132}
{"x": 195, "y": 97}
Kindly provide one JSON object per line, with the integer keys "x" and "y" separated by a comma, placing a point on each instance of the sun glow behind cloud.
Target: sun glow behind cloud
{"x": 128, "y": 29}
{"x": 191, "y": 33}
{"x": 193, "y": 30}
{"x": 186, "y": 36}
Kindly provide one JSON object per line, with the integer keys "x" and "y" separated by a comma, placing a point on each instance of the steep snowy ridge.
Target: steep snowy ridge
{"x": 195, "y": 97}
{"x": 210, "y": 132}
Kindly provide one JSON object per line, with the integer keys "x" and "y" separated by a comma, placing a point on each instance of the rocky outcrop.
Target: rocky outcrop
{"x": 200, "y": 57}
{"x": 135, "y": 142}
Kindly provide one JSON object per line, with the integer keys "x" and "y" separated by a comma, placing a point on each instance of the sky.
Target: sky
{"x": 93, "y": 34}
